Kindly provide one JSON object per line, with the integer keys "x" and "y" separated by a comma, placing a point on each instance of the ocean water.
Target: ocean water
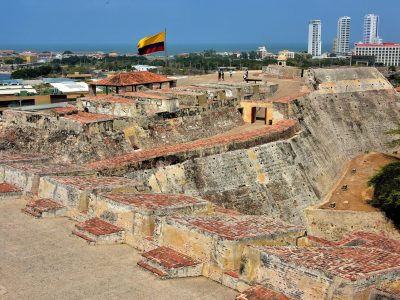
{"x": 172, "y": 49}
{"x": 5, "y": 76}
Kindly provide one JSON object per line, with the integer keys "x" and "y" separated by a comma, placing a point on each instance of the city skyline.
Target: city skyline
{"x": 122, "y": 21}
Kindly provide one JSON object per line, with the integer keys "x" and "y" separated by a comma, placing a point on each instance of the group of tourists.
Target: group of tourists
{"x": 221, "y": 74}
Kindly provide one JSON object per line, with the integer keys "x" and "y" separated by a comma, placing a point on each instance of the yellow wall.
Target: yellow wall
{"x": 247, "y": 108}
{"x": 39, "y": 99}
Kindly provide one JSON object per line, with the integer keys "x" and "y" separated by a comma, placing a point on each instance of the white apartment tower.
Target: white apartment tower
{"x": 343, "y": 36}
{"x": 314, "y": 38}
{"x": 370, "y": 34}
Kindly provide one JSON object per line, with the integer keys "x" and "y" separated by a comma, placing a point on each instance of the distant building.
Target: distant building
{"x": 314, "y": 38}
{"x": 370, "y": 33}
{"x": 262, "y": 52}
{"x": 387, "y": 54}
{"x": 29, "y": 57}
{"x": 145, "y": 68}
{"x": 334, "y": 45}
{"x": 78, "y": 76}
{"x": 343, "y": 36}
{"x": 282, "y": 59}
{"x": 287, "y": 53}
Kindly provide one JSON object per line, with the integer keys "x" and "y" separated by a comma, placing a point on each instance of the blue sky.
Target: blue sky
{"x": 187, "y": 21}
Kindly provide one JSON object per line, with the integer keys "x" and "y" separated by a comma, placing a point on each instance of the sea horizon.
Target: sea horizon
{"x": 172, "y": 49}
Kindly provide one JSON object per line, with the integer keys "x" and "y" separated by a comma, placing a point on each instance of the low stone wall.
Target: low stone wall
{"x": 187, "y": 125}
{"x": 77, "y": 137}
{"x": 174, "y": 154}
{"x": 218, "y": 250}
{"x": 139, "y": 222}
{"x": 333, "y": 224}
{"x": 282, "y": 71}
{"x": 68, "y": 123}
{"x": 343, "y": 80}
{"x": 303, "y": 277}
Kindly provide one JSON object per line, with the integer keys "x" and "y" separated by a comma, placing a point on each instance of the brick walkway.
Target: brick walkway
{"x": 282, "y": 129}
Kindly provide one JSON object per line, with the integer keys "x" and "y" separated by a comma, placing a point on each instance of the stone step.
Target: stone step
{"x": 261, "y": 293}
{"x": 31, "y": 212}
{"x": 99, "y": 232}
{"x": 43, "y": 208}
{"x": 9, "y": 191}
{"x": 168, "y": 263}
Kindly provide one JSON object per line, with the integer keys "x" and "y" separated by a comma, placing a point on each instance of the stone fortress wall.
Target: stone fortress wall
{"x": 228, "y": 205}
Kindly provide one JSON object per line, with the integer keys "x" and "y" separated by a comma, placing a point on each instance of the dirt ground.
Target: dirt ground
{"x": 40, "y": 259}
{"x": 358, "y": 171}
{"x": 287, "y": 87}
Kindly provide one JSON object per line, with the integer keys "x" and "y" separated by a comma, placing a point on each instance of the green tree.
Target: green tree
{"x": 396, "y": 132}
{"x": 387, "y": 191}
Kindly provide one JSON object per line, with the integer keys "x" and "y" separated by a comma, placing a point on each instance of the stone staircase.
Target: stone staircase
{"x": 167, "y": 263}
{"x": 97, "y": 231}
{"x": 8, "y": 191}
{"x": 42, "y": 208}
{"x": 261, "y": 293}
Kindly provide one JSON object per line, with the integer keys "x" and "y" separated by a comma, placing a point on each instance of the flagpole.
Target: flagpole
{"x": 165, "y": 48}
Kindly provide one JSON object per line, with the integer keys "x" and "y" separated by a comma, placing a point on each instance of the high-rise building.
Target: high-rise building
{"x": 314, "y": 38}
{"x": 370, "y": 34}
{"x": 343, "y": 36}
{"x": 387, "y": 54}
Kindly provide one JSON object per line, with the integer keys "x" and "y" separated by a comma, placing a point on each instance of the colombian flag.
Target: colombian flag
{"x": 150, "y": 44}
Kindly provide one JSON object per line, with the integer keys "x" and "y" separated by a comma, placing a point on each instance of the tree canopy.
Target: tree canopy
{"x": 387, "y": 191}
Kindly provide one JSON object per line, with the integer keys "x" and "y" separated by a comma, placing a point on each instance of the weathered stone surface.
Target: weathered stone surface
{"x": 283, "y": 178}
{"x": 137, "y": 213}
{"x": 100, "y": 232}
{"x": 168, "y": 263}
{"x": 219, "y": 241}
{"x": 27, "y": 175}
{"x": 320, "y": 272}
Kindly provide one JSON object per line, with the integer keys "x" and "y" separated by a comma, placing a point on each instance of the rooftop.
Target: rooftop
{"x": 19, "y": 157}
{"x": 275, "y": 132}
{"x": 152, "y": 202}
{"x": 261, "y": 293}
{"x": 109, "y": 99}
{"x": 361, "y": 239}
{"x": 352, "y": 263}
{"x": 379, "y": 45}
{"x": 143, "y": 95}
{"x": 84, "y": 117}
{"x": 9, "y": 188}
{"x": 132, "y": 78}
{"x": 237, "y": 227}
{"x": 49, "y": 169}
{"x": 86, "y": 183}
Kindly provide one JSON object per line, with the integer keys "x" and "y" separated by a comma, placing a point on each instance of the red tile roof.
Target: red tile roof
{"x": 281, "y": 129}
{"x": 109, "y": 99}
{"x": 352, "y": 263}
{"x": 142, "y": 95}
{"x": 261, "y": 293}
{"x": 98, "y": 227}
{"x": 169, "y": 258}
{"x": 84, "y": 117}
{"x": 239, "y": 227}
{"x": 8, "y": 188}
{"x": 69, "y": 109}
{"x": 132, "y": 78}
{"x": 155, "y": 202}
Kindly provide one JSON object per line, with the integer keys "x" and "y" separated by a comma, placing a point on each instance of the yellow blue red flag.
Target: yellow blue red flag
{"x": 150, "y": 44}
